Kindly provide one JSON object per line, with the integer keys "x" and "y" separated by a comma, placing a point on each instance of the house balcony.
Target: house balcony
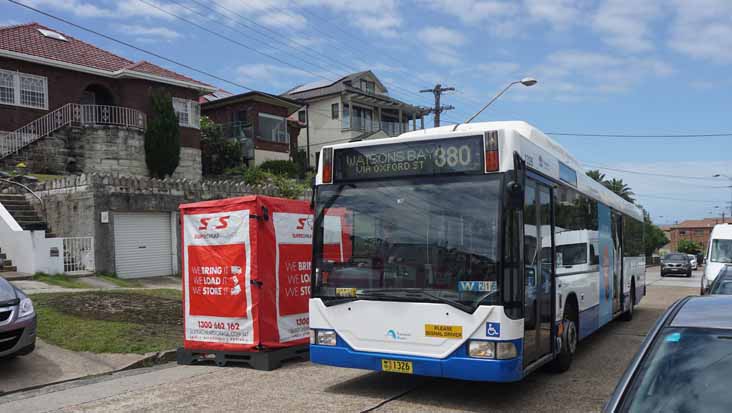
{"x": 390, "y": 127}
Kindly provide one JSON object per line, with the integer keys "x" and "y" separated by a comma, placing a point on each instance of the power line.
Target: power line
{"x": 610, "y": 135}
{"x": 647, "y": 173}
{"x": 677, "y": 199}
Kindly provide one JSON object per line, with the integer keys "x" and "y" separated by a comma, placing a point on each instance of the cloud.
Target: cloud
{"x": 559, "y": 13}
{"x": 703, "y": 30}
{"x": 147, "y": 33}
{"x": 572, "y": 75}
{"x": 270, "y": 75}
{"x": 287, "y": 19}
{"x": 626, "y": 26}
{"x": 113, "y": 9}
{"x": 440, "y": 44}
{"x": 375, "y": 17}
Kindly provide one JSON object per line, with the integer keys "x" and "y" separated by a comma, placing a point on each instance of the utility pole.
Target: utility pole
{"x": 438, "y": 90}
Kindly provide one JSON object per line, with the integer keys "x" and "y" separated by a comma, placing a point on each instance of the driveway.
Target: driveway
{"x": 50, "y": 364}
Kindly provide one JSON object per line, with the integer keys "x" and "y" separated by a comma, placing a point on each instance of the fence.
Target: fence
{"x": 78, "y": 255}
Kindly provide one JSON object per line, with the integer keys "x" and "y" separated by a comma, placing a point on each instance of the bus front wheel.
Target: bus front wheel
{"x": 563, "y": 361}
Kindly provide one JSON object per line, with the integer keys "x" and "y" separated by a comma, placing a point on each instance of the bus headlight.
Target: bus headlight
{"x": 506, "y": 350}
{"x": 482, "y": 349}
{"x": 325, "y": 337}
{"x": 312, "y": 336}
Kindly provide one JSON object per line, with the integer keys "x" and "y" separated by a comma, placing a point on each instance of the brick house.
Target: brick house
{"x": 697, "y": 230}
{"x": 67, "y": 106}
{"x": 260, "y": 121}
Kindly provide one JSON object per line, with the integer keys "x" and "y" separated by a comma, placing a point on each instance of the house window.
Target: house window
{"x": 272, "y": 128}
{"x": 334, "y": 111}
{"x": 346, "y": 117}
{"x": 367, "y": 86}
{"x": 21, "y": 89}
{"x": 301, "y": 116}
{"x": 188, "y": 113}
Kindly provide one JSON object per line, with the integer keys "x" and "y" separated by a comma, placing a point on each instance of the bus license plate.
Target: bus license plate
{"x": 397, "y": 366}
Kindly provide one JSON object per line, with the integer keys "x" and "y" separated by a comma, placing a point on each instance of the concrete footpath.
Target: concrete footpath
{"x": 599, "y": 362}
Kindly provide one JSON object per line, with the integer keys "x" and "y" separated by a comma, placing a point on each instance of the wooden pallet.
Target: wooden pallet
{"x": 266, "y": 360}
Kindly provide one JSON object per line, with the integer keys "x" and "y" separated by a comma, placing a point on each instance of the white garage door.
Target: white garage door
{"x": 143, "y": 244}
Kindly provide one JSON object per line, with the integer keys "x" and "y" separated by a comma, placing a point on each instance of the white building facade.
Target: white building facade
{"x": 355, "y": 107}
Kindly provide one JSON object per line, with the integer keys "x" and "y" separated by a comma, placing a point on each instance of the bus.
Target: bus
{"x": 479, "y": 252}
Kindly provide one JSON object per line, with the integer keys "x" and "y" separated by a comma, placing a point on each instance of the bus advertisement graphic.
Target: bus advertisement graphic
{"x": 607, "y": 260}
{"x": 217, "y": 297}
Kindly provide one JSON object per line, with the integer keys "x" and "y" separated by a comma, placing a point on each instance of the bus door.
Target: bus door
{"x": 538, "y": 271}
{"x": 618, "y": 262}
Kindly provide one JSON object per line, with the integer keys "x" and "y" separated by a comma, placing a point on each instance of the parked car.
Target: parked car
{"x": 722, "y": 284}
{"x": 684, "y": 363}
{"x": 17, "y": 321}
{"x": 692, "y": 261}
{"x": 719, "y": 253}
{"x": 675, "y": 263}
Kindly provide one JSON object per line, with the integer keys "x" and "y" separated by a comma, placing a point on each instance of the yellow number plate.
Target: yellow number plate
{"x": 397, "y": 366}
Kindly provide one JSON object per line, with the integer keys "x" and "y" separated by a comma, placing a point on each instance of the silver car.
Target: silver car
{"x": 17, "y": 321}
{"x": 684, "y": 364}
{"x": 693, "y": 262}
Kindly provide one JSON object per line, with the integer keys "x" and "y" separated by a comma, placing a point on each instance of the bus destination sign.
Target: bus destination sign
{"x": 420, "y": 158}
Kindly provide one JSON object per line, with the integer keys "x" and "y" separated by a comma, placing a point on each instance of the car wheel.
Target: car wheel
{"x": 563, "y": 361}
{"x": 688, "y": 274}
{"x": 628, "y": 315}
{"x": 663, "y": 274}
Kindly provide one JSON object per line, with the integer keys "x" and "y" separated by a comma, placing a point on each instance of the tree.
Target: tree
{"x": 597, "y": 175}
{"x": 162, "y": 137}
{"x": 218, "y": 153}
{"x": 689, "y": 247}
{"x": 620, "y": 188}
{"x": 653, "y": 237}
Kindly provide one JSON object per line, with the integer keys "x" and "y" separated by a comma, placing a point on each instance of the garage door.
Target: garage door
{"x": 142, "y": 245}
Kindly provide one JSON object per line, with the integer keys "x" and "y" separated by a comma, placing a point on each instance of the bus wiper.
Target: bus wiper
{"x": 413, "y": 293}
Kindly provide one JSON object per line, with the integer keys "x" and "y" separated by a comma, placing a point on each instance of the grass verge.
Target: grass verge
{"x": 59, "y": 280}
{"x": 120, "y": 282}
{"x": 111, "y": 321}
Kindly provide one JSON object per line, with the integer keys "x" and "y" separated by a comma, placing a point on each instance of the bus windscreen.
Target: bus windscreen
{"x": 435, "y": 235}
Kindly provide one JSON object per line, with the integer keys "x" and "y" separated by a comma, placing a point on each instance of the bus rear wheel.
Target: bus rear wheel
{"x": 563, "y": 361}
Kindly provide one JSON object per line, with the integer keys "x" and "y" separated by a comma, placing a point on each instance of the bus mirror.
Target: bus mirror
{"x": 515, "y": 194}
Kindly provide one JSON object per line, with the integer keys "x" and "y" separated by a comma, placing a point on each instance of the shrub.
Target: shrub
{"x": 286, "y": 168}
{"x": 162, "y": 137}
{"x": 689, "y": 247}
{"x": 217, "y": 153}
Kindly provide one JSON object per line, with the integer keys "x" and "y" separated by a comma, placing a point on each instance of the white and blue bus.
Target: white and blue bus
{"x": 480, "y": 253}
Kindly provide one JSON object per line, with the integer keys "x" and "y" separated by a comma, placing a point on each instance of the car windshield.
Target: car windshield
{"x": 408, "y": 236}
{"x": 722, "y": 284}
{"x": 687, "y": 370}
{"x": 675, "y": 257}
{"x": 721, "y": 251}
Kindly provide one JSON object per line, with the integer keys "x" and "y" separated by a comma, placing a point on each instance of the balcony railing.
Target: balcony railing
{"x": 70, "y": 114}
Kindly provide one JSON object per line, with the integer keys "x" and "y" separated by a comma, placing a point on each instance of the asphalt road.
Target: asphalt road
{"x": 600, "y": 361}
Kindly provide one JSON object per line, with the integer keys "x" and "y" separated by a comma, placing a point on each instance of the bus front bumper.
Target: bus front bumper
{"x": 456, "y": 366}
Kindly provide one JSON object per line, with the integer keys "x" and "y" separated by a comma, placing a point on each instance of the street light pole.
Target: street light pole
{"x": 527, "y": 81}
{"x": 730, "y": 187}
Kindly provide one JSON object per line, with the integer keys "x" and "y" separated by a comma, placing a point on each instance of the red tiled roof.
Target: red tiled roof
{"x": 26, "y": 39}
{"x": 701, "y": 223}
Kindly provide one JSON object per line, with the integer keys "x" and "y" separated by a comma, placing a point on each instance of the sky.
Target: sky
{"x": 647, "y": 67}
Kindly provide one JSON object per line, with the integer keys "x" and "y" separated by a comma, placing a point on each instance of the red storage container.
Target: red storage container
{"x": 246, "y": 273}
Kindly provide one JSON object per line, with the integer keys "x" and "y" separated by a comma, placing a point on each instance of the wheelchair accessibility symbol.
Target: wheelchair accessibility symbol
{"x": 493, "y": 329}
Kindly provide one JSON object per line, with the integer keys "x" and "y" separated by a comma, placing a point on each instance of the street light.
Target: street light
{"x": 730, "y": 187}
{"x": 527, "y": 81}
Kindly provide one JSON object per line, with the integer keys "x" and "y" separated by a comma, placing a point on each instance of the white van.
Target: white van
{"x": 719, "y": 253}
